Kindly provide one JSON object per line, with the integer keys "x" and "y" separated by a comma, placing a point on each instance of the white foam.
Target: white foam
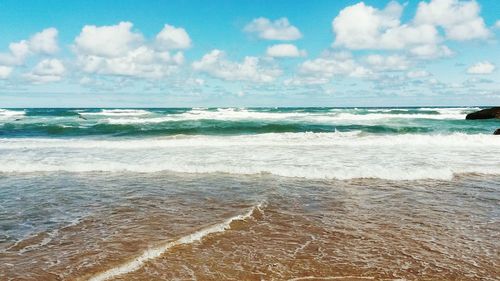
{"x": 118, "y": 112}
{"x": 4, "y": 113}
{"x": 153, "y": 253}
{"x": 348, "y": 277}
{"x": 385, "y": 116}
{"x": 235, "y": 114}
{"x": 49, "y": 237}
{"x": 350, "y": 139}
{"x": 309, "y": 155}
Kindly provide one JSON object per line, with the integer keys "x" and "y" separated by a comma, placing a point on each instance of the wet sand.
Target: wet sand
{"x": 168, "y": 226}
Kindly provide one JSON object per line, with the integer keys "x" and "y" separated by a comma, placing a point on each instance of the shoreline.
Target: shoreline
{"x": 346, "y": 229}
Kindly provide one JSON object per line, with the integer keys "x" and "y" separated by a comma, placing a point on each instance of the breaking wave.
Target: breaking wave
{"x": 338, "y": 155}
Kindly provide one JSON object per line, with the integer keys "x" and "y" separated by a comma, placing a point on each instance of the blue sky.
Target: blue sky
{"x": 249, "y": 53}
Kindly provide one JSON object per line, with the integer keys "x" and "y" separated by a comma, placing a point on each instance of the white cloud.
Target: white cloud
{"x": 322, "y": 69}
{"x": 117, "y": 50}
{"x": 484, "y": 67}
{"x": 280, "y": 29}
{"x": 5, "y": 71}
{"x": 388, "y": 63}
{"x": 19, "y": 51}
{"x": 358, "y": 26}
{"x": 364, "y": 27}
{"x": 251, "y": 69}
{"x": 284, "y": 50}
{"x": 306, "y": 80}
{"x": 497, "y": 24}
{"x": 431, "y": 51}
{"x": 460, "y": 19}
{"x": 141, "y": 62}
{"x": 107, "y": 41}
{"x": 171, "y": 37}
{"x": 375, "y": 68}
{"x": 47, "y": 70}
{"x": 44, "y": 42}
{"x": 417, "y": 74}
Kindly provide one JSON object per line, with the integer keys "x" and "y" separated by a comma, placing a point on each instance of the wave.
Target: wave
{"x": 234, "y": 121}
{"x": 153, "y": 253}
{"x": 208, "y": 127}
{"x": 349, "y": 139}
{"x": 50, "y": 112}
{"x": 118, "y": 112}
{"x": 327, "y": 119}
{"x": 4, "y": 113}
{"x": 309, "y": 116}
{"x": 315, "y": 173}
{"x": 36, "y": 240}
{"x": 309, "y": 155}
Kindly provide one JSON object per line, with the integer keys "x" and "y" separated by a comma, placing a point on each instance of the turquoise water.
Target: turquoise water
{"x": 235, "y": 121}
{"x": 331, "y": 143}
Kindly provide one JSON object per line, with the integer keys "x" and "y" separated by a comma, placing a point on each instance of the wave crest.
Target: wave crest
{"x": 310, "y": 155}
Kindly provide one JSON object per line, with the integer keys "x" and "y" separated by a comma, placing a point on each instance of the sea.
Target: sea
{"x": 396, "y": 193}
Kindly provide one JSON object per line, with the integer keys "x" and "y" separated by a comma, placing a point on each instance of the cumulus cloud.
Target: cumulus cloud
{"x": 251, "y": 69}
{"x": 459, "y": 19}
{"x": 484, "y": 67}
{"x": 18, "y": 52}
{"x": 332, "y": 65}
{"x": 321, "y": 70}
{"x": 497, "y": 24}
{"x": 364, "y": 27}
{"x": 171, "y": 37}
{"x": 5, "y": 71}
{"x": 307, "y": 80}
{"x": 388, "y": 63}
{"x": 47, "y": 70}
{"x": 285, "y": 50}
{"x": 417, "y": 74}
{"x": 43, "y": 42}
{"x": 280, "y": 29}
{"x": 118, "y": 50}
{"x": 431, "y": 51}
{"x": 108, "y": 41}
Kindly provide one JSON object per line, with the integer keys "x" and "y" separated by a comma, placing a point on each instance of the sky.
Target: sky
{"x": 181, "y": 53}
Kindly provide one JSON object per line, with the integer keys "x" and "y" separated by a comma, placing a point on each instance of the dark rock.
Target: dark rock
{"x": 497, "y": 132}
{"x": 489, "y": 113}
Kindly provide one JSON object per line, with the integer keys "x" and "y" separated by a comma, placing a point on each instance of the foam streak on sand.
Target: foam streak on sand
{"x": 151, "y": 254}
{"x": 331, "y": 278}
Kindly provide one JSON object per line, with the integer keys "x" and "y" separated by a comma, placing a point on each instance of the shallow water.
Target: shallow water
{"x": 249, "y": 194}
{"x": 294, "y": 228}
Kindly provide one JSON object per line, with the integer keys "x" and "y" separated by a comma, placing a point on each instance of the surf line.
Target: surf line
{"x": 150, "y": 254}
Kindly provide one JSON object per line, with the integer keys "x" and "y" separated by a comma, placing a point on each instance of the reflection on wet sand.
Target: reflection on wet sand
{"x": 193, "y": 227}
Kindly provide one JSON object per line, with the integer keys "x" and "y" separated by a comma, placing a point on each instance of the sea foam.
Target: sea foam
{"x": 246, "y": 114}
{"x": 4, "y": 113}
{"x": 153, "y": 253}
{"x": 338, "y": 155}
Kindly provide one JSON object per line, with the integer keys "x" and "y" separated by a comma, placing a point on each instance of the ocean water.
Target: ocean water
{"x": 249, "y": 194}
